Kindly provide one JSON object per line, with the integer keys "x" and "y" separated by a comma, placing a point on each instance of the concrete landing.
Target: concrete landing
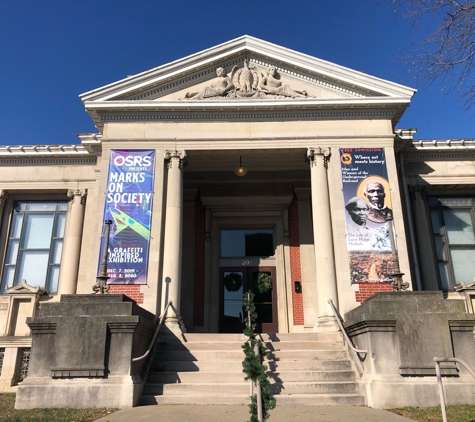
{"x": 220, "y": 413}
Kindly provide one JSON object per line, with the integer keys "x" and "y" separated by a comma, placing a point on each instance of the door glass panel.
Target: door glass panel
{"x": 262, "y": 300}
{"x": 264, "y": 313}
{"x": 236, "y": 243}
{"x": 232, "y": 294}
{"x": 258, "y": 296}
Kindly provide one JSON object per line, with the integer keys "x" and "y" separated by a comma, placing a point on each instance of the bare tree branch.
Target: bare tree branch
{"x": 446, "y": 51}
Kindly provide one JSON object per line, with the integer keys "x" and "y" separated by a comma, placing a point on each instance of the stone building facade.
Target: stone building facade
{"x": 282, "y": 118}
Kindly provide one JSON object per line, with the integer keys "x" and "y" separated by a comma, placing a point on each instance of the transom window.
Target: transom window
{"x": 454, "y": 237}
{"x": 242, "y": 242}
{"x": 35, "y": 244}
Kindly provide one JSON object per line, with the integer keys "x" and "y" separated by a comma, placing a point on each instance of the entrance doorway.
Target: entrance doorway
{"x": 234, "y": 282}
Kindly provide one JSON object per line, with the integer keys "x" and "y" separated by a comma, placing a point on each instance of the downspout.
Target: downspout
{"x": 410, "y": 224}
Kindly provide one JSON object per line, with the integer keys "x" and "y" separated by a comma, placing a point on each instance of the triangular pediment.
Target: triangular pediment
{"x": 260, "y": 73}
{"x": 24, "y": 288}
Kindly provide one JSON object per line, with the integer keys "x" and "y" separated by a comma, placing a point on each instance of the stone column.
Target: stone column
{"x": 68, "y": 276}
{"x": 323, "y": 239}
{"x": 172, "y": 248}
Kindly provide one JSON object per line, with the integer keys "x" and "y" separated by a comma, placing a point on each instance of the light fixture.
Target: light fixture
{"x": 240, "y": 171}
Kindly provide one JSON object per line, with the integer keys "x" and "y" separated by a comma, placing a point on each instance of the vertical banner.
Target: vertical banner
{"x": 129, "y": 197}
{"x": 367, "y": 201}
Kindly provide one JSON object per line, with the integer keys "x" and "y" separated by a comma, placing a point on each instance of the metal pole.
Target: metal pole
{"x": 258, "y": 391}
{"x": 398, "y": 284}
{"x": 101, "y": 286}
{"x": 441, "y": 390}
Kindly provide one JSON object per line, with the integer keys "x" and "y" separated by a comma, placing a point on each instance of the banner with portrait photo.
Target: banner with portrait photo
{"x": 367, "y": 202}
{"x": 128, "y": 205}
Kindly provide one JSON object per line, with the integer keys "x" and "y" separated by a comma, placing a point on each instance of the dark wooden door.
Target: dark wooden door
{"x": 234, "y": 282}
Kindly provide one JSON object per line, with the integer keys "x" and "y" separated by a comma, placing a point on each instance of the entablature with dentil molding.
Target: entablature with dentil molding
{"x": 240, "y": 77}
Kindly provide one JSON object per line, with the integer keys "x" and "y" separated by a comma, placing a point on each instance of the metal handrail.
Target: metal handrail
{"x": 342, "y": 329}
{"x": 439, "y": 379}
{"x": 157, "y": 331}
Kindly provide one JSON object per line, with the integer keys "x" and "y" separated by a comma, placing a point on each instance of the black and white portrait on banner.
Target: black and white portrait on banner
{"x": 367, "y": 200}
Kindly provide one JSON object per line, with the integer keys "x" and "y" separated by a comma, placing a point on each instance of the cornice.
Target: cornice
{"x": 335, "y": 115}
{"x": 441, "y": 145}
{"x": 458, "y": 182}
{"x": 440, "y": 156}
{"x": 40, "y": 160}
{"x": 44, "y": 150}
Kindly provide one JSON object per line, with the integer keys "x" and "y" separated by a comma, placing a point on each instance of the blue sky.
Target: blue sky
{"x": 53, "y": 50}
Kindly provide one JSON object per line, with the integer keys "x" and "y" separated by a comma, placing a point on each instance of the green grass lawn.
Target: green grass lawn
{"x": 459, "y": 413}
{"x": 8, "y": 413}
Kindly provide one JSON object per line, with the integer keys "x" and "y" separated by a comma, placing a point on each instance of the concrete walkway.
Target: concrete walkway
{"x": 221, "y": 413}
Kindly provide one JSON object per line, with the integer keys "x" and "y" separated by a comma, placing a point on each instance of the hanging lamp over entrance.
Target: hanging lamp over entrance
{"x": 240, "y": 171}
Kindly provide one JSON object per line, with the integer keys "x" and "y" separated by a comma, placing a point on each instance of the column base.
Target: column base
{"x": 326, "y": 324}
{"x": 173, "y": 327}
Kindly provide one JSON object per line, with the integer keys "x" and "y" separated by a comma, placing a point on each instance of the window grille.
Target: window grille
{"x": 2, "y": 356}
{"x": 22, "y": 364}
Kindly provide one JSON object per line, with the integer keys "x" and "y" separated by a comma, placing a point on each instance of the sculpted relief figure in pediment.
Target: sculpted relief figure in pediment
{"x": 246, "y": 82}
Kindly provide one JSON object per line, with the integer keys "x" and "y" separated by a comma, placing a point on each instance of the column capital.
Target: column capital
{"x": 418, "y": 188}
{"x": 180, "y": 155}
{"x": 3, "y": 196}
{"x": 313, "y": 153}
{"x": 82, "y": 193}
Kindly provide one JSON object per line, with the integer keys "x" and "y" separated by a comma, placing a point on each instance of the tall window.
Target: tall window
{"x": 35, "y": 244}
{"x": 454, "y": 236}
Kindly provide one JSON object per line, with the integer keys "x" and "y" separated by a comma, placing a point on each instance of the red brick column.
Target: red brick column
{"x": 199, "y": 282}
{"x": 130, "y": 290}
{"x": 296, "y": 274}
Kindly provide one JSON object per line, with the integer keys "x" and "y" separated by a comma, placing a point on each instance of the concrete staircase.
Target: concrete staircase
{"x": 305, "y": 369}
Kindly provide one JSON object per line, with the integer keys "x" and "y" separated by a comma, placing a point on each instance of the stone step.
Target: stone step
{"x": 335, "y": 387}
{"x": 198, "y": 399}
{"x": 211, "y": 388}
{"x": 311, "y": 376}
{"x": 220, "y": 355}
{"x": 233, "y": 399}
{"x": 322, "y": 387}
{"x": 308, "y": 365}
{"x": 195, "y": 377}
{"x": 319, "y": 399}
{"x": 304, "y": 345}
{"x": 200, "y": 345}
{"x": 236, "y": 345}
{"x": 237, "y": 376}
{"x": 181, "y": 366}
{"x": 212, "y": 337}
{"x": 297, "y": 337}
{"x": 236, "y": 365}
{"x": 306, "y": 355}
